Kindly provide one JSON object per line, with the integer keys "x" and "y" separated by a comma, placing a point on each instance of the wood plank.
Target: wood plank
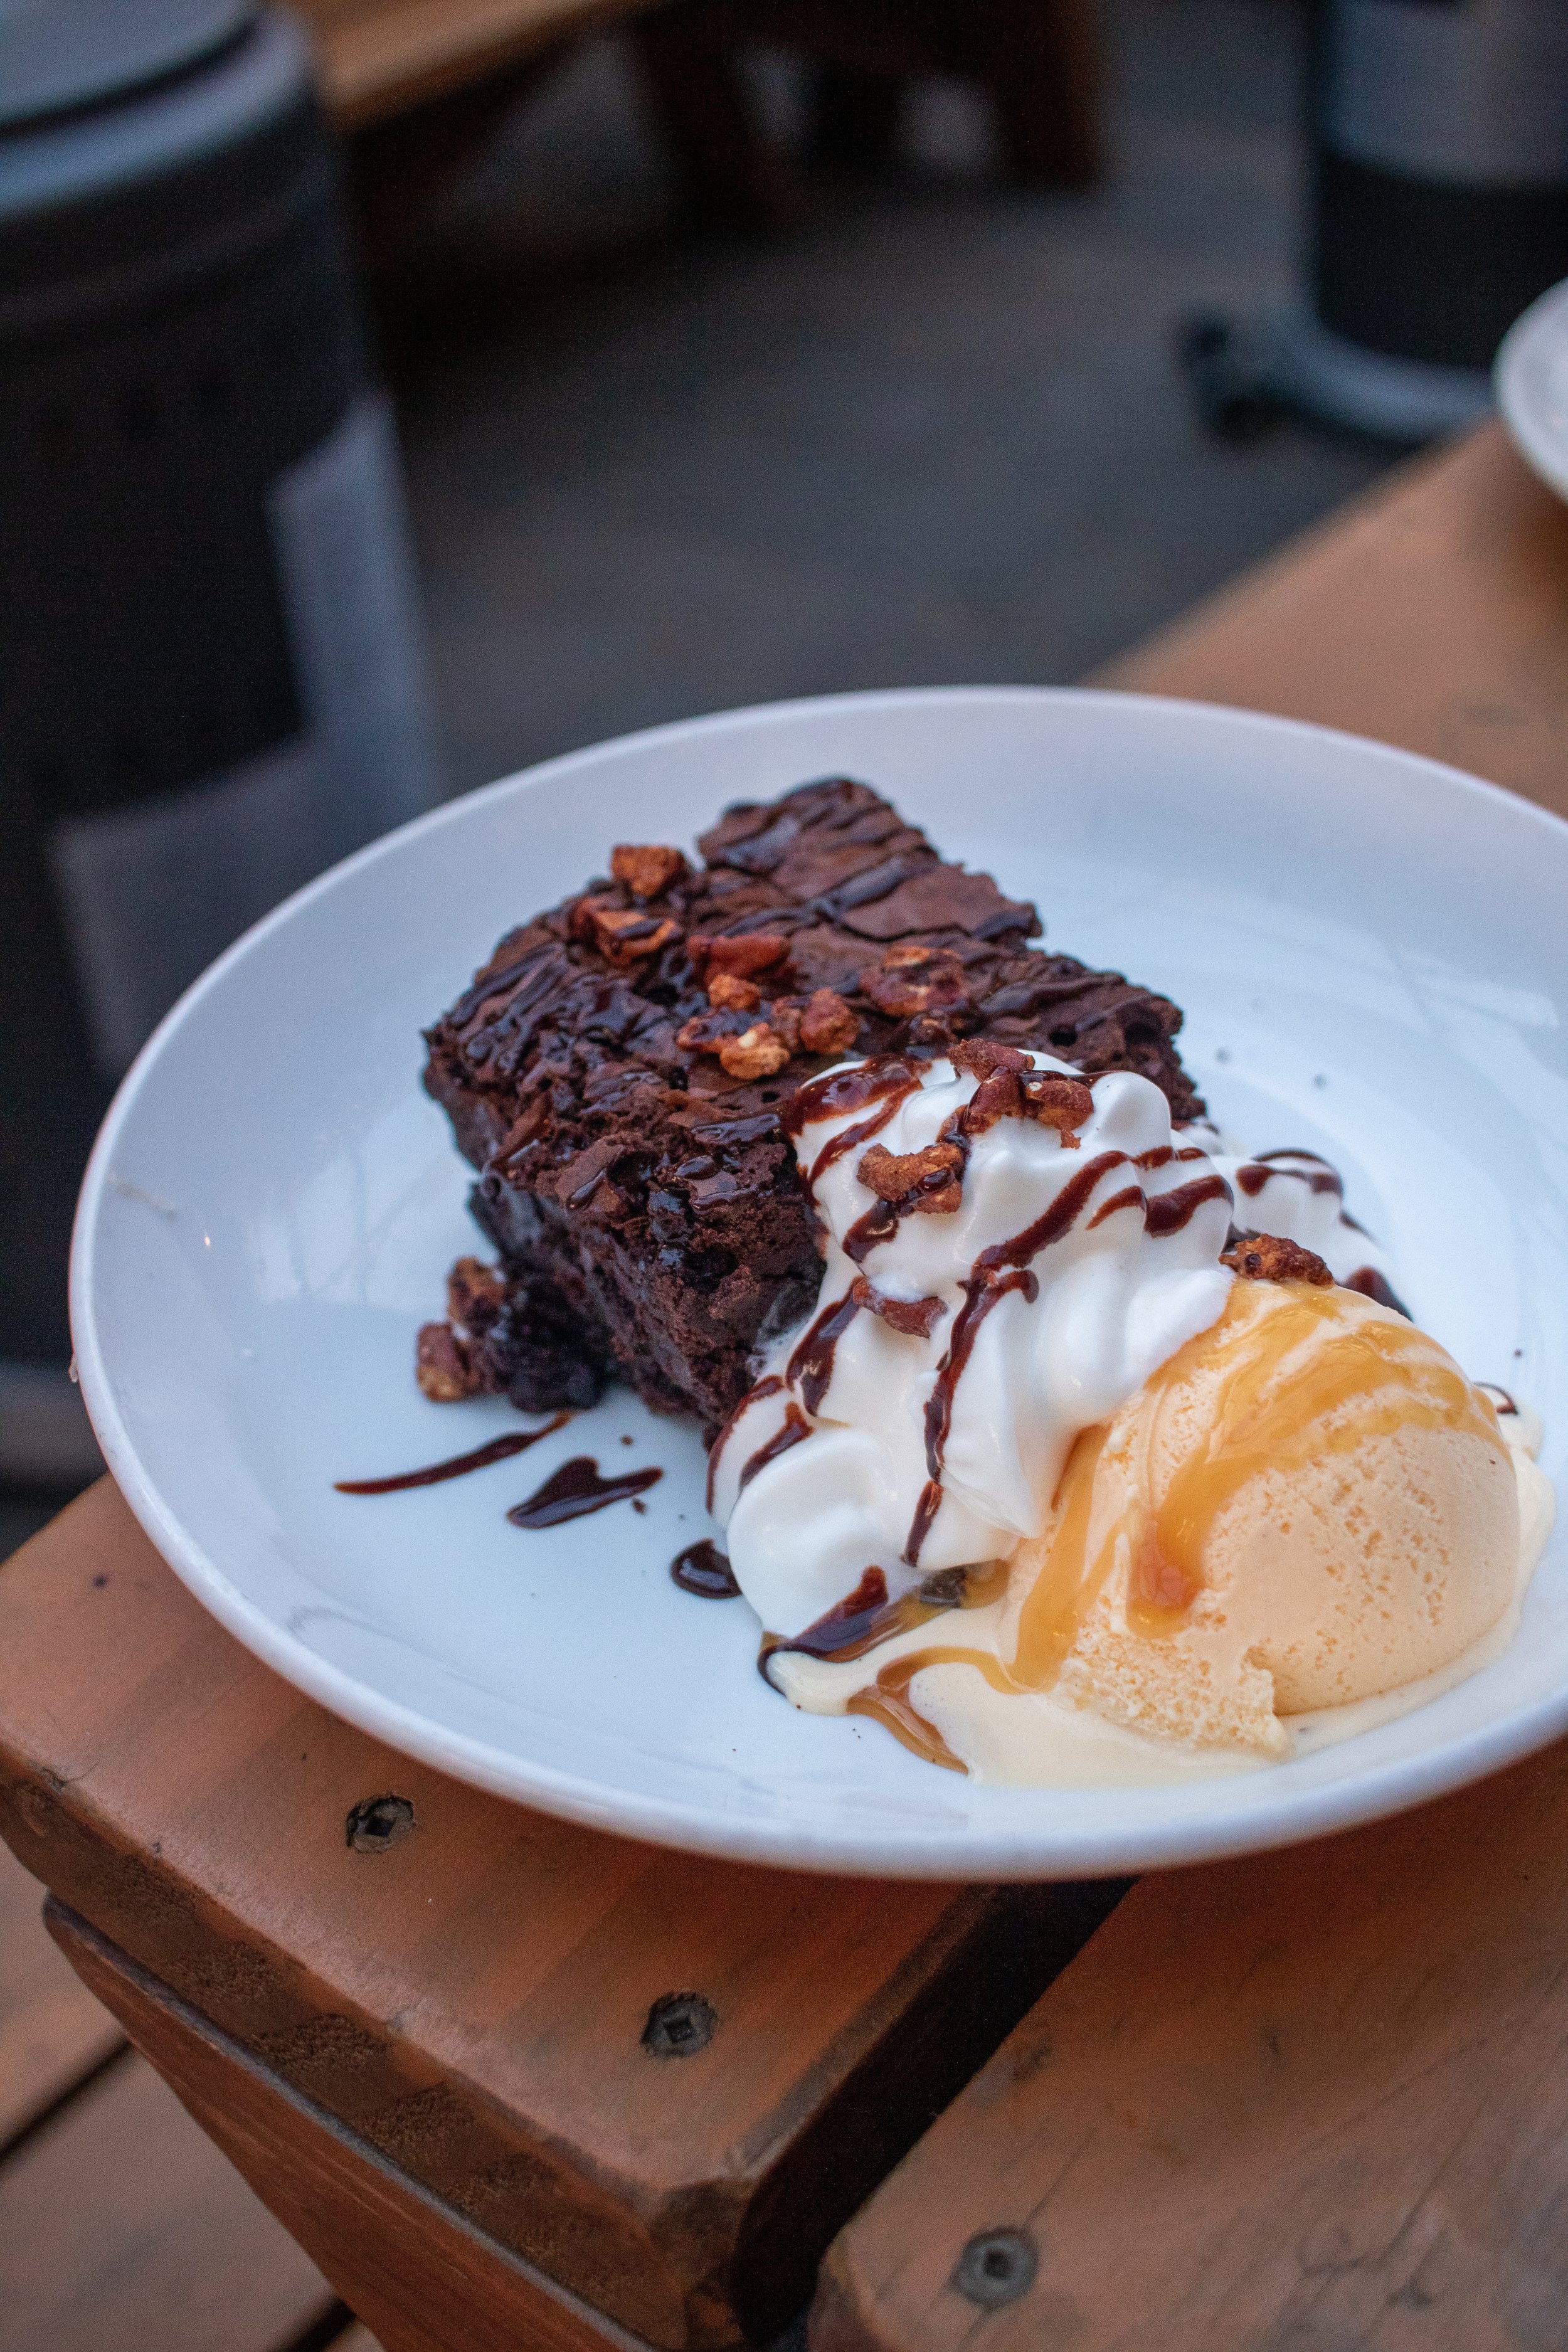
{"x": 379, "y": 58}
{"x": 473, "y": 2001}
{"x": 123, "y": 2229}
{"x": 1311, "y": 2099}
{"x": 426, "y": 2279}
{"x": 1433, "y": 613}
{"x": 52, "y": 2031}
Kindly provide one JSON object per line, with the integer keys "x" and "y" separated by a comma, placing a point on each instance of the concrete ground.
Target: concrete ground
{"x": 935, "y": 434}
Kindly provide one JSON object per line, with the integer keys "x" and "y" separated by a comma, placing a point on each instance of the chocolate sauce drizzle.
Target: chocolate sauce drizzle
{"x": 1373, "y": 1284}
{"x": 1167, "y": 1213}
{"x": 794, "y": 1427}
{"x": 764, "y": 1388}
{"x": 865, "y": 1618}
{"x": 1322, "y": 1176}
{"x": 702, "y": 1569}
{"x": 1004, "y": 1267}
{"x": 853, "y": 1089}
{"x": 890, "y": 1080}
{"x": 499, "y": 1449}
{"x": 811, "y": 1366}
{"x": 575, "y": 1489}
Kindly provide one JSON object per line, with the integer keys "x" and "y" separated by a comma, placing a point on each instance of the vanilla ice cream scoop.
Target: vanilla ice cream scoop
{"x": 1309, "y": 1505}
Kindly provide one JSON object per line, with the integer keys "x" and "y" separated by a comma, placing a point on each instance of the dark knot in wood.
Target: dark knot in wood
{"x": 996, "y": 2267}
{"x": 678, "y": 2025}
{"x": 377, "y": 1824}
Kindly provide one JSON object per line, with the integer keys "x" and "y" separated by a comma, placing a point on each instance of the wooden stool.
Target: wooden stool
{"x": 1037, "y": 60}
{"x": 419, "y": 86}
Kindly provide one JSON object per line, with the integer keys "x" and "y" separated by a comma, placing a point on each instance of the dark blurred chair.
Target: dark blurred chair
{"x": 419, "y": 86}
{"x": 1038, "y": 60}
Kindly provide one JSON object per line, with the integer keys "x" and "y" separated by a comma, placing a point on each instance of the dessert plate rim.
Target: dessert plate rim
{"x": 1521, "y": 373}
{"x": 893, "y": 1849}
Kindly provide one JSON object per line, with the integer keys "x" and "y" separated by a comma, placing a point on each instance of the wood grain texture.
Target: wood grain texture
{"x": 123, "y": 2229}
{"x": 1433, "y": 613}
{"x": 472, "y": 2002}
{"x": 52, "y": 2031}
{"x": 379, "y": 58}
{"x": 1310, "y": 2100}
{"x": 423, "y": 2279}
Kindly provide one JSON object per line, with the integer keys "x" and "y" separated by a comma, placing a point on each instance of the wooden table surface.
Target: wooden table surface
{"x": 1311, "y": 2100}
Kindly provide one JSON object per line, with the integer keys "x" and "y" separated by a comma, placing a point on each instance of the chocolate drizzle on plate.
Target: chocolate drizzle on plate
{"x": 499, "y": 1449}
{"x": 865, "y": 1618}
{"x": 575, "y": 1489}
{"x": 702, "y": 1569}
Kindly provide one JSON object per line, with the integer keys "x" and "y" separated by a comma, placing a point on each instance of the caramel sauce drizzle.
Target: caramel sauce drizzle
{"x": 1292, "y": 1389}
{"x": 866, "y": 1619}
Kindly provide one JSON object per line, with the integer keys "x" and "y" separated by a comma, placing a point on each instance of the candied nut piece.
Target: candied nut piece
{"x": 441, "y": 1365}
{"x": 928, "y": 1183}
{"x": 733, "y": 995}
{"x": 745, "y": 955}
{"x": 1268, "y": 1258}
{"x": 624, "y": 935}
{"x": 826, "y": 1025}
{"x": 475, "y": 1294}
{"x": 979, "y": 1057}
{"x": 648, "y": 869}
{"x": 757, "y": 1053}
{"x": 917, "y": 1319}
{"x": 912, "y": 979}
{"x": 1062, "y": 1103}
{"x": 1000, "y": 1095}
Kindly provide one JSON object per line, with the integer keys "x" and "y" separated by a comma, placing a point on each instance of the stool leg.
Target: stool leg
{"x": 854, "y": 118}
{"x": 685, "y": 61}
{"x": 1043, "y": 67}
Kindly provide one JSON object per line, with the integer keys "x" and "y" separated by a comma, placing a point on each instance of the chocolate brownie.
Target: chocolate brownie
{"x": 617, "y": 1068}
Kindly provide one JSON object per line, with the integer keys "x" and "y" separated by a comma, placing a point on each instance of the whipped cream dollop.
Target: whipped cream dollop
{"x": 1009, "y": 1255}
{"x": 1299, "y": 1196}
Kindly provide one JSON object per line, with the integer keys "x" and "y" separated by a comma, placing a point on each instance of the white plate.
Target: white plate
{"x": 1371, "y": 953}
{"x": 1531, "y": 373}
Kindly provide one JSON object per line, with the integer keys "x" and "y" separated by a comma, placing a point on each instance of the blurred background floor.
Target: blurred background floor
{"x": 935, "y": 434}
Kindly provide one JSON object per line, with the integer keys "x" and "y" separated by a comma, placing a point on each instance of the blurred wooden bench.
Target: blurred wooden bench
{"x": 419, "y": 86}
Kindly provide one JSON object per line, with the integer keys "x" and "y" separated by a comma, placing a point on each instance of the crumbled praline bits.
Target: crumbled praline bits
{"x": 916, "y": 1317}
{"x": 1267, "y": 1257}
{"x": 648, "y": 869}
{"x": 927, "y": 1181}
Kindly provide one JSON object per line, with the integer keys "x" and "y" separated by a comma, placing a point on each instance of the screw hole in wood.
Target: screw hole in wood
{"x": 377, "y": 1824}
{"x": 678, "y": 2025}
{"x": 996, "y": 2267}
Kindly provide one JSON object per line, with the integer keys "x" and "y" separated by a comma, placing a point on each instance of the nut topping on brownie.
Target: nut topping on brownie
{"x": 615, "y": 1073}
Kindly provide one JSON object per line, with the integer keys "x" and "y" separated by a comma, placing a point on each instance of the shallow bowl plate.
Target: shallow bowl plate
{"x": 1531, "y": 373}
{"x": 1372, "y": 957}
